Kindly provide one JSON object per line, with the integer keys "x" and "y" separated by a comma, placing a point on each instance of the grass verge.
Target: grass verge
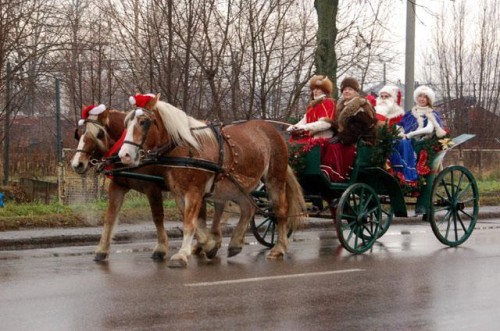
{"x": 15, "y": 216}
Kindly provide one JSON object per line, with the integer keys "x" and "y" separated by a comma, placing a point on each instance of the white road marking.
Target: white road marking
{"x": 258, "y": 279}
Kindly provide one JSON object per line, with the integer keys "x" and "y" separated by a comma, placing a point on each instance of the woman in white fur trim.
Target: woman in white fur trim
{"x": 320, "y": 112}
{"x": 422, "y": 122}
{"x": 419, "y": 124}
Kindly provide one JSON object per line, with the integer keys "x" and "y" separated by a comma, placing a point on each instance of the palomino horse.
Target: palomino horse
{"x": 225, "y": 165}
{"x": 101, "y": 133}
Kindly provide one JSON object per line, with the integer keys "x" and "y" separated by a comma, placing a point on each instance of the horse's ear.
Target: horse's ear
{"x": 103, "y": 117}
{"x": 157, "y": 97}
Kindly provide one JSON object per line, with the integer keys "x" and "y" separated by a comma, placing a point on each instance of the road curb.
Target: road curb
{"x": 175, "y": 232}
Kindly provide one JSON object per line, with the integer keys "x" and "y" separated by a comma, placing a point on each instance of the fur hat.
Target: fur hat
{"x": 322, "y": 82}
{"x": 425, "y": 90}
{"x": 350, "y": 82}
{"x": 91, "y": 110}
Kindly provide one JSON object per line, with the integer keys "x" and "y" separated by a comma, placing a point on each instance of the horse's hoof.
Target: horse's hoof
{"x": 275, "y": 255}
{"x": 232, "y": 251}
{"x": 158, "y": 256}
{"x": 212, "y": 253}
{"x": 177, "y": 264}
{"x": 197, "y": 250}
{"x": 100, "y": 257}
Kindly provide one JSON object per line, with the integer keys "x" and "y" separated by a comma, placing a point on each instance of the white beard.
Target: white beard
{"x": 388, "y": 108}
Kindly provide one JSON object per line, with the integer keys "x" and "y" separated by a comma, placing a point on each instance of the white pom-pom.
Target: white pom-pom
{"x": 97, "y": 110}
{"x": 131, "y": 99}
{"x": 81, "y": 122}
{"x": 139, "y": 112}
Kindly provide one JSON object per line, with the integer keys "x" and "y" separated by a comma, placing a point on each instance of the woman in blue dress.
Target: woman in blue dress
{"x": 422, "y": 122}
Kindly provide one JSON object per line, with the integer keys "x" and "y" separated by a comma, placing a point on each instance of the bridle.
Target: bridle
{"x": 145, "y": 129}
{"x": 99, "y": 144}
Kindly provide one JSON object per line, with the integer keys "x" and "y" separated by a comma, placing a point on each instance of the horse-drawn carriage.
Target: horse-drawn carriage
{"x": 363, "y": 207}
{"x": 196, "y": 161}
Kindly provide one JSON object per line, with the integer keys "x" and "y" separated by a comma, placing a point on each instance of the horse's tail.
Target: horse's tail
{"x": 297, "y": 209}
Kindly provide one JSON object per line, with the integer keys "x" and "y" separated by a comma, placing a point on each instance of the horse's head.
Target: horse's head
{"x": 142, "y": 131}
{"x": 93, "y": 143}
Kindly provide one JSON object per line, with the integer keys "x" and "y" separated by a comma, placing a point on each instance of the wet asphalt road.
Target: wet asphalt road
{"x": 409, "y": 281}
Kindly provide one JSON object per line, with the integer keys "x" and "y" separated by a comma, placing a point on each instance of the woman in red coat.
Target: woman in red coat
{"x": 318, "y": 119}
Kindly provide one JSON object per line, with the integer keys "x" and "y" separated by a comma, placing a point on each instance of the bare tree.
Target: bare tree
{"x": 468, "y": 67}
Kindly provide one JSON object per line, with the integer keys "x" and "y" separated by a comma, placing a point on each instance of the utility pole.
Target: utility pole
{"x": 410, "y": 54}
{"x": 6, "y": 146}
{"x": 59, "y": 149}
{"x": 385, "y": 77}
{"x": 58, "y": 122}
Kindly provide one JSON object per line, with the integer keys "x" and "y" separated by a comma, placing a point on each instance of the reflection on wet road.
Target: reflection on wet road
{"x": 409, "y": 281}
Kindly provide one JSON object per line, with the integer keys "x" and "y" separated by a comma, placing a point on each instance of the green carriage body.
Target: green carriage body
{"x": 364, "y": 206}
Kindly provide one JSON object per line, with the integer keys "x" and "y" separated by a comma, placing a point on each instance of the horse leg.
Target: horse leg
{"x": 247, "y": 210}
{"x": 202, "y": 224}
{"x": 116, "y": 196}
{"x": 280, "y": 206}
{"x": 215, "y": 230}
{"x": 155, "y": 199}
{"x": 190, "y": 205}
{"x": 211, "y": 241}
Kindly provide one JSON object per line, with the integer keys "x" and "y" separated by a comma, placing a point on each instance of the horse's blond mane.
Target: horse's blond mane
{"x": 179, "y": 125}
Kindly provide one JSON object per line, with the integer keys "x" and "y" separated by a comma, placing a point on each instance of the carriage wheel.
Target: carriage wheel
{"x": 454, "y": 205}
{"x": 266, "y": 231}
{"x": 358, "y": 218}
{"x": 386, "y": 219}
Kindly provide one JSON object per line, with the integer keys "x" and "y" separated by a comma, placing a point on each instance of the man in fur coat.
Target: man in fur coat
{"x": 354, "y": 119}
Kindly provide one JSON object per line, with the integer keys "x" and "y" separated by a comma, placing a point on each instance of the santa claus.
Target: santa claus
{"x": 388, "y": 105}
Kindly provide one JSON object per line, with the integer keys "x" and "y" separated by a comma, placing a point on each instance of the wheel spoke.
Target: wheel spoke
{"x": 465, "y": 190}
{"x": 460, "y": 180}
{"x": 466, "y": 214}
{"x": 442, "y": 197}
{"x": 464, "y": 228}
{"x": 365, "y": 201}
{"x": 468, "y": 200}
{"x": 372, "y": 210}
{"x": 445, "y": 186}
{"x": 446, "y": 217}
{"x": 354, "y": 201}
{"x": 447, "y": 207}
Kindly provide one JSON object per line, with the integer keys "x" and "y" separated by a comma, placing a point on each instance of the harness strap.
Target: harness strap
{"x": 188, "y": 162}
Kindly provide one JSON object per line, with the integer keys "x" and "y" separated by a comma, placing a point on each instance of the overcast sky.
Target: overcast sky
{"x": 427, "y": 11}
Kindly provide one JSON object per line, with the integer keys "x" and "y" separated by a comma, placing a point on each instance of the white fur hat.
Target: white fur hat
{"x": 426, "y": 91}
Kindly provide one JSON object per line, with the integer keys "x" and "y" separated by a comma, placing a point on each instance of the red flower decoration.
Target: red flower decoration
{"x": 422, "y": 167}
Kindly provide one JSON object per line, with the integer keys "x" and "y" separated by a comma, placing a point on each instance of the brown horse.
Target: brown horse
{"x": 101, "y": 133}
{"x": 225, "y": 166}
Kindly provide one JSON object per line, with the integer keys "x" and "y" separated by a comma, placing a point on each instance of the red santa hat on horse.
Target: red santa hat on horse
{"x": 140, "y": 101}
{"x": 389, "y": 105}
{"x": 91, "y": 110}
